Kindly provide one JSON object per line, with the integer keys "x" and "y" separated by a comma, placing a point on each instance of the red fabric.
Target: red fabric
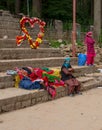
{"x": 38, "y": 72}
{"x": 33, "y": 76}
{"x": 46, "y": 82}
{"x": 52, "y": 91}
{"x": 59, "y": 83}
{"x": 50, "y": 72}
{"x": 90, "y": 59}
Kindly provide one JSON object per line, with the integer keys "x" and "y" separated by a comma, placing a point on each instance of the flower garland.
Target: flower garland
{"x": 26, "y": 35}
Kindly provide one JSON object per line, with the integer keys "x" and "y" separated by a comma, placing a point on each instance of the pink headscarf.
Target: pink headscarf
{"x": 89, "y": 33}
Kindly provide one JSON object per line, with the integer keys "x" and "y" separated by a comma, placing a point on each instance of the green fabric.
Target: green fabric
{"x": 46, "y": 69}
{"x": 51, "y": 78}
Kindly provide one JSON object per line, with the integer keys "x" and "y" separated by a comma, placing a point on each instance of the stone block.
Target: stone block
{"x": 39, "y": 99}
{"x": 33, "y": 101}
{"x": 45, "y": 98}
{"x": 26, "y": 103}
{"x": 8, "y": 107}
{"x": 24, "y": 97}
{"x": 18, "y": 105}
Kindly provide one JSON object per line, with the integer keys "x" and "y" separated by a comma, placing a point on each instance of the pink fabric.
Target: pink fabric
{"x": 90, "y": 59}
{"x": 89, "y": 33}
{"x": 89, "y": 42}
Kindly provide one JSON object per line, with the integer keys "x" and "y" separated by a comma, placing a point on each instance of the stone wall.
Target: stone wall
{"x": 29, "y": 99}
{"x": 10, "y": 28}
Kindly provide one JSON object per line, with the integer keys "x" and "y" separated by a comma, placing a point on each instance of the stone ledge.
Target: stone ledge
{"x": 33, "y": 62}
{"x": 22, "y": 53}
{"x": 16, "y": 98}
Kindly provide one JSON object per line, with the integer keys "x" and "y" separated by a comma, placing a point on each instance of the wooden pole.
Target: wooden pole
{"x": 74, "y": 30}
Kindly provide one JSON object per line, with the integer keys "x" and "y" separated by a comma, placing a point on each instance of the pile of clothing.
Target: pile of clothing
{"x": 37, "y": 78}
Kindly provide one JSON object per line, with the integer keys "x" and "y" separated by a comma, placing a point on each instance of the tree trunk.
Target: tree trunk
{"x": 36, "y": 8}
{"x": 97, "y": 18}
{"x": 17, "y": 6}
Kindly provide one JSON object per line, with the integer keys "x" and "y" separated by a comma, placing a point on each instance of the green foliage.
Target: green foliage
{"x": 7, "y": 5}
{"x": 56, "y": 9}
{"x": 63, "y": 10}
{"x": 67, "y": 25}
{"x": 79, "y": 43}
{"x": 56, "y": 43}
{"x": 84, "y": 12}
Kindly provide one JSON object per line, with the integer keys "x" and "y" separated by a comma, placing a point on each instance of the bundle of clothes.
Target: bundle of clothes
{"x": 37, "y": 78}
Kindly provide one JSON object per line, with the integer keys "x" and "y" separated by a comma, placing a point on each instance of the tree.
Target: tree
{"x": 56, "y": 9}
{"x": 52, "y": 9}
{"x": 17, "y": 6}
{"x": 84, "y": 12}
{"x": 36, "y": 8}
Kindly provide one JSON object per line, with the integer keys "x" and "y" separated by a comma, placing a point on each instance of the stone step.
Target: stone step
{"x": 84, "y": 79}
{"x": 11, "y": 43}
{"x": 6, "y": 81}
{"x": 34, "y": 62}
{"x": 91, "y": 84}
{"x": 84, "y": 70}
{"x": 94, "y": 75}
{"x": 27, "y": 53}
{"x": 16, "y": 98}
{"x": 10, "y": 33}
{"x": 80, "y": 70}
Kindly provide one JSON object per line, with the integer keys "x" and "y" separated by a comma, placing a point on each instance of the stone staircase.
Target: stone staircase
{"x": 12, "y": 98}
{"x": 11, "y": 56}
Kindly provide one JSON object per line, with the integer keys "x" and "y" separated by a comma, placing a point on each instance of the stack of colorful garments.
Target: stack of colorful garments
{"x": 35, "y": 78}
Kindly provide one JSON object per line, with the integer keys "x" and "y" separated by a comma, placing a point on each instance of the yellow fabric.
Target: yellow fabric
{"x": 44, "y": 72}
{"x": 56, "y": 72}
{"x": 17, "y": 80}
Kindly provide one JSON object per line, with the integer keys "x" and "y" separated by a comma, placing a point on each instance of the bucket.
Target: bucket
{"x": 81, "y": 59}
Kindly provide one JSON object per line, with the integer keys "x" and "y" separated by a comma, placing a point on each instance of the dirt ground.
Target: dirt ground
{"x": 82, "y": 112}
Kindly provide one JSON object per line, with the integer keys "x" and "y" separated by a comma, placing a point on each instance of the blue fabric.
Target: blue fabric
{"x": 26, "y": 83}
{"x": 67, "y": 59}
{"x": 66, "y": 62}
{"x": 67, "y": 65}
{"x": 82, "y": 59}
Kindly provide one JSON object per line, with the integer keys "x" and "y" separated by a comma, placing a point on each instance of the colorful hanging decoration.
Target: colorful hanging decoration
{"x": 26, "y": 35}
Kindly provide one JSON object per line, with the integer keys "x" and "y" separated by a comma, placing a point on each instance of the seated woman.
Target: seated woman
{"x": 66, "y": 75}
